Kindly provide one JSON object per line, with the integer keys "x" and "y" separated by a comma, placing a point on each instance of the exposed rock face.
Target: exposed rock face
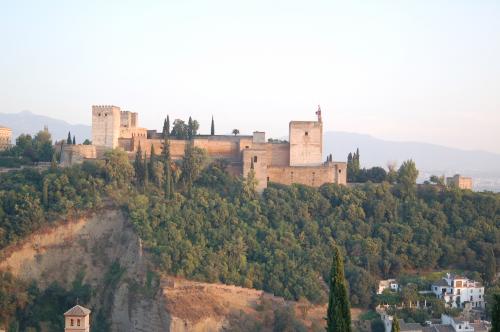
{"x": 91, "y": 244}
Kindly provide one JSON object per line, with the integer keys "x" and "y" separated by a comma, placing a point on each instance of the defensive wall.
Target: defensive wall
{"x": 298, "y": 161}
{"x": 5, "y": 138}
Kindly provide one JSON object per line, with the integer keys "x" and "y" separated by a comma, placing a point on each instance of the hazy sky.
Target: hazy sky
{"x": 403, "y": 70}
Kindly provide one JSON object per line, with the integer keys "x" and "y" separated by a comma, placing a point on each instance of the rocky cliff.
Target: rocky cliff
{"x": 141, "y": 300}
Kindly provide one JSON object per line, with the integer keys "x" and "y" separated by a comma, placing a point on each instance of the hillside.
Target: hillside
{"x": 92, "y": 243}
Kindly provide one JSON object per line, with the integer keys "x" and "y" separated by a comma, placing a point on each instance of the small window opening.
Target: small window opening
{"x": 340, "y": 171}
{"x": 307, "y": 133}
{"x": 71, "y": 322}
{"x": 254, "y": 159}
{"x": 77, "y": 322}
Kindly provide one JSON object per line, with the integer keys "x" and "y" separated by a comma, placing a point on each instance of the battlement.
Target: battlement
{"x": 298, "y": 161}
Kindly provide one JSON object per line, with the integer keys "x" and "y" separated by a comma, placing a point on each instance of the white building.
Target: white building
{"x": 387, "y": 284}
{"x": 457, "y": 290}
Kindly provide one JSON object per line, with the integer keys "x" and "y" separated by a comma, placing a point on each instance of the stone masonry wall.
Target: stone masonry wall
{"x": 306, "y": 143}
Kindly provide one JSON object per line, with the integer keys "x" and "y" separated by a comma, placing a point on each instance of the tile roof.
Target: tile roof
{"x": 441, "y": 282}
{"x": 77, "y": 310}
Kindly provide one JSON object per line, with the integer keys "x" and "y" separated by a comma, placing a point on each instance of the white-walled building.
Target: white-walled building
{"x": 390, "y": 284}
{"x": 457, "y": 290}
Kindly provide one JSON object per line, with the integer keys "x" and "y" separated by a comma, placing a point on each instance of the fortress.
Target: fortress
{"x": 298, "y": 161}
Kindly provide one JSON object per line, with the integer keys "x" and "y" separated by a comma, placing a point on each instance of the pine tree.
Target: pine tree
{"x": 74, "y": 140}
{"x": 212, "y": 127}
{"x": 69, "y": 140}
{"x": 338, "y": 313}
{"x": 395, "y": 324}
{"x": 495, "y": 314}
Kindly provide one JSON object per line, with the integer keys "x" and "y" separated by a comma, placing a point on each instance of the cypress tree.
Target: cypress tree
{"x": 338, "y": 313}
{"x": 212, "y": 127}
{"x": 167, "y": 169}
{"x": 495, "y": 313}
{"x": 69, "y": 140}
{"x": 139, "y": 166}
{"x": 152, "y": 164}
{"x": 74, "y": 140}
{"x": 166, "y": 127}
{"x": 490, "y": 266}
{"x": 146, "y": 170}
{"x": 190, "y": 128}
{"x": 395, "y": 324}
{"x": 188, "y": 166}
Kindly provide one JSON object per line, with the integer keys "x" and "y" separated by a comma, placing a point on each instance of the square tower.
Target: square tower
{"x": 306, "y": 143}
{"x": 77, "y": 319}
{"x": 105, "y": 125}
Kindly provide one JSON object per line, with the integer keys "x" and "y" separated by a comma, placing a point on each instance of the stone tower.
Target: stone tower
{"x": 105, "y": 125}
{"x": 77, "y": 319}
{"x": 306, "y": 142}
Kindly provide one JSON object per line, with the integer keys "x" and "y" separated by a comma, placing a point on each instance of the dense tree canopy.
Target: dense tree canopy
{"x": 214, "y": 227}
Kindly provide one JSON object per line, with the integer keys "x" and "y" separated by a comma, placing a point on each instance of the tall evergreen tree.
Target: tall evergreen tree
{"x": 188, "y": 166}
{"x": 338, "y": 313}
{"x": 74, "y": 140}
{"x": 146, "y": 170}
{"x": 495, "y": 314}
{"x": 152, "y": 164}
{"x": 395, "y": 324}
{"x": 167, "y": 169}
{"x": 212, "y": 127}
{"x": 490, "y": 266}
{"x": 166, "y": 127}
{"x": 139, "y": 166}
{"x": 190, "y": 128}
{"x": 69, "y": 140}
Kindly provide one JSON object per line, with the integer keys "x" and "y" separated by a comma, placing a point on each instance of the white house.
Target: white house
{"x": 457, "y": 290}
{"x": 387, "y": 284}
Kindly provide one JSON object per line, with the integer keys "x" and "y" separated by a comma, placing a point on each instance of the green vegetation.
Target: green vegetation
{"x": 395, "y": 324}
{"x": 201, "y": 223}
{"x": 495, "y": 314}
{"x": 24, "y": 305}
{"x": 338, "y": 315}
{"x": 181, "y": 130}
{"x": 28, "y": 150}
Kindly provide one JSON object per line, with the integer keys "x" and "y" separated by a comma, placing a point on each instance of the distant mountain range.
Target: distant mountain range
{"x": 29, "y": 123}
{"x": 484, "y": 167}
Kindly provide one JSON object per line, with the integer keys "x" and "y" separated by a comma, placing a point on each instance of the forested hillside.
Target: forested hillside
{"x": 201, "y": 223}
{"x": 281, "y": 241}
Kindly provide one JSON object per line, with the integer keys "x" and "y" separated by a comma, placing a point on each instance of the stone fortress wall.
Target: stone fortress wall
{"x": 299, "y": 161}
{"x": 5, "y": 138}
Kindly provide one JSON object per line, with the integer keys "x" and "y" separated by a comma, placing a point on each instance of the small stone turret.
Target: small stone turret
{"x": 77, "y": 319}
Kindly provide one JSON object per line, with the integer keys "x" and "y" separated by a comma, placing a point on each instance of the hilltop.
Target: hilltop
{"x": 430, "y": 158}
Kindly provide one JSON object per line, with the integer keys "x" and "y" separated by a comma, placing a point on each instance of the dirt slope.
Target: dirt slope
{"x": 92, "y": 243}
